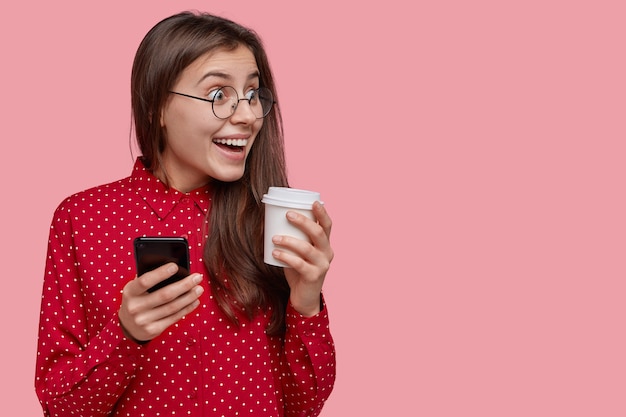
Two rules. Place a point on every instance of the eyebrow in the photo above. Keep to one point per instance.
(225, 76)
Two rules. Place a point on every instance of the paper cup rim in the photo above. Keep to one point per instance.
(291, 197)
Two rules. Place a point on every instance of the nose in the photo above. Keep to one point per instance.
(243, 113)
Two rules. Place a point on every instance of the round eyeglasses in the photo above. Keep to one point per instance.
(225, 101)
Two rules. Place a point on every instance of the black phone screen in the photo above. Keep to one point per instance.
(152, 252)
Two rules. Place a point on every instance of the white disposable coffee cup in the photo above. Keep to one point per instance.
(278, 201)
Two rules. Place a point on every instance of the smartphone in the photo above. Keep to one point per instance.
(152, 252)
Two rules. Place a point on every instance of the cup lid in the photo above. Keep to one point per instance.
(291, 197)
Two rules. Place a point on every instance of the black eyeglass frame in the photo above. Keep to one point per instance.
(238, 100)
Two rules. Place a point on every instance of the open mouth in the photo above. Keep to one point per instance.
(232, 145)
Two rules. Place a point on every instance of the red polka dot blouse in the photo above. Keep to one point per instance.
(201, 366)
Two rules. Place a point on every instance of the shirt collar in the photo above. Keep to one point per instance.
(163, 199)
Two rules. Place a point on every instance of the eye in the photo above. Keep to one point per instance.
(252, 96)
(218, 95)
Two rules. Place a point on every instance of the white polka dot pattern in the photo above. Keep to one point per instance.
(201, 366)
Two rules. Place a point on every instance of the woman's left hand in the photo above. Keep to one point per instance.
(309, 262)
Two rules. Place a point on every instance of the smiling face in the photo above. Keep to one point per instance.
(199, 146)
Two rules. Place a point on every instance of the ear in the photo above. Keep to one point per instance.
(162, 118)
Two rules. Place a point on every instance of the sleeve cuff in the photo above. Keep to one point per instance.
(308, 327)
(111, 343)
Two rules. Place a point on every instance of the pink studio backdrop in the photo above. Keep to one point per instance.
(471, 155)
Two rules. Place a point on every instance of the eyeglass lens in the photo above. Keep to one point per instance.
(226, 100)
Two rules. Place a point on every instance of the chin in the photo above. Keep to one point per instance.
(229, 177)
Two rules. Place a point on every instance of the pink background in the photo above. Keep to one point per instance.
(471, 154)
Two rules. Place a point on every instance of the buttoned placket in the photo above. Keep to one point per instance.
(190, 206)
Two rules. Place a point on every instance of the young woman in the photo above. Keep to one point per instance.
(236, 336)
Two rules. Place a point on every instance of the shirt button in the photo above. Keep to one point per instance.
(191, 342)
(185, 200)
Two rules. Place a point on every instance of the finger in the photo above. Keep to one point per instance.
(169, 320)
(174, 306)
(319, 210)
(293, 260)
(315, 231)
(300, 253)
(151, 278)
(154, 328)
(174, 290)
(299, 247)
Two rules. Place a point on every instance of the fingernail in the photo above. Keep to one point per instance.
(291, 215)
(197, 278)
(199, 290)
(172, 269)
(277, 239)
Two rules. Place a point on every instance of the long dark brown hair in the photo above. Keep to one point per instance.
(241, 282)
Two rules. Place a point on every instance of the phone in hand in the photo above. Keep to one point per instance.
(152, 252)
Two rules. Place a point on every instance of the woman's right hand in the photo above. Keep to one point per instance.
(145, 315)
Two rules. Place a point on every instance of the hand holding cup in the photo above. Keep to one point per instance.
(297, 231)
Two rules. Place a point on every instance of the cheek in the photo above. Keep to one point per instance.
(257, 126)
(184, 122)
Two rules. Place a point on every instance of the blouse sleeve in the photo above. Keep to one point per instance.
(309, 368)
(77, 373)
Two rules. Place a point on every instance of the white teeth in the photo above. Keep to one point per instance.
(232, 142)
